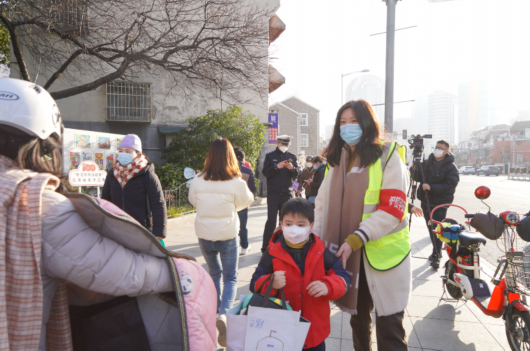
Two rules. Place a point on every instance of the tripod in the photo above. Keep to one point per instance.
(418, 167)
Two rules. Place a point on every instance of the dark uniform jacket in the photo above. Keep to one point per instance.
(133, 198)
(443, 178)
(280, 181)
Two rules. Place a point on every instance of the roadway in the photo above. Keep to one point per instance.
(506, 195)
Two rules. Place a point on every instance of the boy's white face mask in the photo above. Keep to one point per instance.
(295, 234)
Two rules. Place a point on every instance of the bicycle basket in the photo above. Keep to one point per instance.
(488, 225)
(520, 279)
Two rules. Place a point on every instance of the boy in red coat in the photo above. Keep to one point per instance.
(309, 273)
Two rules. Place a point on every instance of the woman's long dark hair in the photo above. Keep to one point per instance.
(368, 149)
(221, 163)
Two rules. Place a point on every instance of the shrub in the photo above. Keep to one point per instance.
(189, 147)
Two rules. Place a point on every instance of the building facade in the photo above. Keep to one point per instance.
(473, 108)
(149, 106)
(369, 87)
(302, 121)
(442, 114)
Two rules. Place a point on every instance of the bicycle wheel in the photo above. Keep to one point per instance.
(454, 291)
(519, 338)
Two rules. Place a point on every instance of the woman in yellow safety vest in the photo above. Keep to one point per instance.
(360, 214)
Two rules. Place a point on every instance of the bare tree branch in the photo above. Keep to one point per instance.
(15, 46)
(61, 70)
(201, 45)
(91, 86)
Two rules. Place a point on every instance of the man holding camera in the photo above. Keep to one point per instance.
(280, 168)
(438, 187)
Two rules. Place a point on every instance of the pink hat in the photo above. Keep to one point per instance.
(132, 141)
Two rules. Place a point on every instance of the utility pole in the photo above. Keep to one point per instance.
(389, 81)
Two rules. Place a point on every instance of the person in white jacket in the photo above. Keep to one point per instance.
(45, 241)
(218, 193)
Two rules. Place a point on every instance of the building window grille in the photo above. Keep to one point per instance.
(304, 140)
(71, 16)
(128, 101)
(304, 119)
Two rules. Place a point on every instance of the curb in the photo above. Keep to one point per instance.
(175, 223)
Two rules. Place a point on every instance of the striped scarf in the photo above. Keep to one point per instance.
(124, 173)
(21, 293)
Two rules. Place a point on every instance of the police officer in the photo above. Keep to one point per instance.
(281, 169)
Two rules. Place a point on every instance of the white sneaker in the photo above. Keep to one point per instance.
(221, 327)
(245, 251)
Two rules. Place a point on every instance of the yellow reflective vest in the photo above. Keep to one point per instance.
(389, 251)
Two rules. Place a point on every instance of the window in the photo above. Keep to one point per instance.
(304, 119)
(304, 140)
(128, 101)
(520, 158)
(70, 17)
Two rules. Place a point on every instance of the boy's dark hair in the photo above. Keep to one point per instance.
(298, 206)
(240, 154)
(317, 159)
(443, 142)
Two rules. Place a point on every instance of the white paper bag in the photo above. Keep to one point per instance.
(237, 329)
(272, 329)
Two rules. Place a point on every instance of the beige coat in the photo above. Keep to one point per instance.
(390, 290)
(217, 204)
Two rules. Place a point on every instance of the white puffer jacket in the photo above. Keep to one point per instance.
(72, 251)
(217, 203)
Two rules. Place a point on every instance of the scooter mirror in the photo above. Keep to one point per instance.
(482, 192)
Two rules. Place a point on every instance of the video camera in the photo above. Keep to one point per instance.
(416, 144)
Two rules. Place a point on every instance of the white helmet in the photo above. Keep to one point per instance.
(28, 107)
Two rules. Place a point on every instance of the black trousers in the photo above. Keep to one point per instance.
(321, 347)
(390, 331)
(274, 206)
(438, 215)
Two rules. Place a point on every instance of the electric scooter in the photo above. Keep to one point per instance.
(505, 295)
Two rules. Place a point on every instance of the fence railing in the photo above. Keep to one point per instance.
(177, 202)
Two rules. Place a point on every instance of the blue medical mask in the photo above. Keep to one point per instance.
(351, 133)
(124, 158)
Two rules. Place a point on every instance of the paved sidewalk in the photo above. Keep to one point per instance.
(430, 324)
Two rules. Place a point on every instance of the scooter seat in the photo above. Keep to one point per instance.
(468, 238)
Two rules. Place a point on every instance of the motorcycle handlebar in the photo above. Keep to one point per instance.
(469, 215)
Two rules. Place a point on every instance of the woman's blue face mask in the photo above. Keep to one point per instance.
(351, 133)
(124, 158)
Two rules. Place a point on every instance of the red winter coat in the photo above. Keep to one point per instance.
(316, 310)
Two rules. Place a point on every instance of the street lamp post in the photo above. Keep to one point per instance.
(389, 82)
(342, 83)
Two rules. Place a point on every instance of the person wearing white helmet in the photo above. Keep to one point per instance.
(44, 240)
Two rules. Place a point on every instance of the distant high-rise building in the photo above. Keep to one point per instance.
(474, 108)
(369, 87)
(442, 115)
(329, 132)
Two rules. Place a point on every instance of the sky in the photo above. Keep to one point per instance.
(454, 42)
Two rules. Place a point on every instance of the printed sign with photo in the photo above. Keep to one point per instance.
(99, 160)
(118, 141)
(103, 143)
(87, 156)
(110, 162)
(75, 159)
(82, 140)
